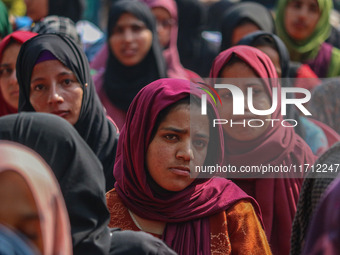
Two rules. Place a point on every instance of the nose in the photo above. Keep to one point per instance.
(54, 96)
(13, 78)
(128, 35)
(303, 12)
(184, 151)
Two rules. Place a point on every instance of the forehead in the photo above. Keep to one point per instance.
(127, 18)
(187, 117)
(308, 2)
(237, 69)
(10, 49)
(49, 67)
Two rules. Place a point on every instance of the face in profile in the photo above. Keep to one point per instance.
(178, 147)
(36, 9)
(261, 101)
(130, 40)
(55, 89)
(18, 208)
(8, 81)
(301, 18)
(164, 24)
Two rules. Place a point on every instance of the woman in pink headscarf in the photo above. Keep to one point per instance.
(157, 190)
(31, 201)
(166, 15)
(9, 88)
(269, 144)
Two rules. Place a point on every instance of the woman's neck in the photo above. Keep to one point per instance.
(151, 226)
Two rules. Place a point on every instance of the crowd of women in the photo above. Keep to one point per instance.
(98, 154)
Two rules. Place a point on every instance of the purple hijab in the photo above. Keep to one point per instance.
(323, 236)
(186, 212)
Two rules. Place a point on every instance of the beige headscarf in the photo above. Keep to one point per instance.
(54, 222)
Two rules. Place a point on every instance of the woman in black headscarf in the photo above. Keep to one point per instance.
(92, 124)
(254, 15)
(124, 75)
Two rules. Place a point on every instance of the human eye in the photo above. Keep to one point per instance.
(314, 8)
(5, 72)
(117, 30)
(226, 94)
(137, 28)
(38, 87)
(200, 143)
(171, 137)
(67, 82)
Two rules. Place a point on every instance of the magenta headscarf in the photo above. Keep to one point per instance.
(174, 66)
(20, 37)
(278, 145)
(186, 212)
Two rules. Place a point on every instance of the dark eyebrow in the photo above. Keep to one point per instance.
(30, 216)
(202, 136)
(4, 65)
(173, 129)
(182, 131)
(66, 73)
(37, 79)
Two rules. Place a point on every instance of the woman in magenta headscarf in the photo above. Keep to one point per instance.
(156, 188)
(9, 88)
(273, 145)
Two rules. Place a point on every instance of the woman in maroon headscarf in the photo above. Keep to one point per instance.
(9, 88)
(156, 188)
(273, 145)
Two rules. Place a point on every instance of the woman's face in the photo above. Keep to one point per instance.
(261, 101)
(55, 89)
(274, 57)
(8, 81)
(242, 30)
(301, 18)
(18, 208)
(36, 9)
(164, 24)
(130, 40)
(178, 147)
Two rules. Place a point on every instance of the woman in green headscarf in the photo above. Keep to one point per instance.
(5, 26)
(304, 26)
